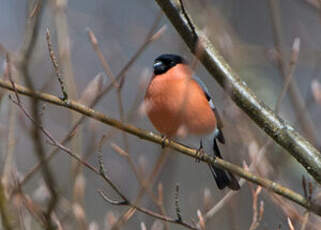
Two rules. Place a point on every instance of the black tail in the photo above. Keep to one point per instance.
(223, 178)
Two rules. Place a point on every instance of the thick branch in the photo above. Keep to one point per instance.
(278, 129)
(147, 135)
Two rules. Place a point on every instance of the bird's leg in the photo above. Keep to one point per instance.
(200, 152)
(163, 142)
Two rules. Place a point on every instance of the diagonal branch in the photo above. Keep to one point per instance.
(148, 212)
(264, 117)
(147, 135)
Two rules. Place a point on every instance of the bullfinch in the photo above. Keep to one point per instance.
(179, 104)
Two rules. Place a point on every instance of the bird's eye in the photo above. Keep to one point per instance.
(158, 64)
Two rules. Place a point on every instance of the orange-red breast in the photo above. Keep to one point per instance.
(178, 104)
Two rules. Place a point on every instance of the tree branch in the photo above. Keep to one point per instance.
(147, 135)
(265, 118)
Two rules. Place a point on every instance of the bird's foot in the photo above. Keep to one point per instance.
(163, 142)
(199, 154)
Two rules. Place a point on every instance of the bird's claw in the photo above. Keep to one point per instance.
(199, 154)
(163, 142)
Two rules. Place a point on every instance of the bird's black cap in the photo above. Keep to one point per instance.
(166, 61)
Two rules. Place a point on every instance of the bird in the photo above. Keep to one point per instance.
(178, 104)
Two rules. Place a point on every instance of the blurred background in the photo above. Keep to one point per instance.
(256, 38)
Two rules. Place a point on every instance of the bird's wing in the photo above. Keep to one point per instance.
(205, 90)
(219, 134)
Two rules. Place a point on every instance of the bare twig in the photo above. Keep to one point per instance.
(63, 42)
(148, 212)
(161, 202)
(34, 210)
(201, 220)
(290, 224)
(103, 61)
(5, 215)
(147, 184)
(304, 186)
(289, 76)
(151, 36)
(8, 161)
(56, 66)
(137, 173)
(308, 191)
(178, 210)
(80, 215)
(305, 220)
(10, 77)
(316, 91)
(143, 226)
(57, 222)
(295, 95)
(35, 10)
(257, 214)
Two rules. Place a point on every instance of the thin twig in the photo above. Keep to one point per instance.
(10, 77)
(4, 212)
(8, 161)
(316, 91)
(103, 61)
(63, 42)
(305, 220)
(34, 209)
(201, 220)
(35, 10)
(289, 76)
(56, 66)
(161, 203)
(137, 173)
(257, 214)
(296, 97)
(177, 208)
(147, 184)
(290, 224)
(148, 212)
(152, 35)
(308, 191)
